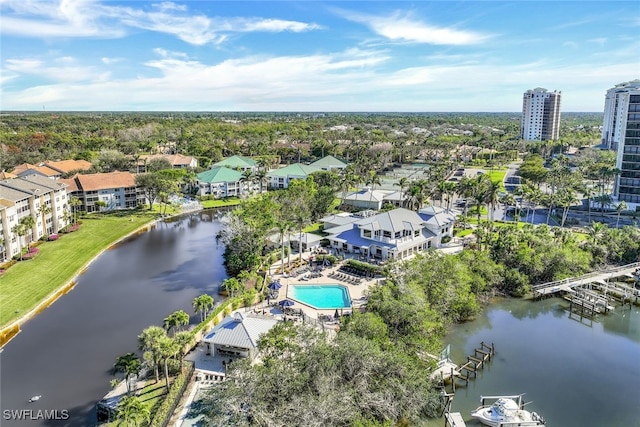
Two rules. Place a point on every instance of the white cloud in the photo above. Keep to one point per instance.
(351, 80)
(403, 27)
(274, 25)
(167, 5)
(89, 18)
(108, 61)
(600, 41)
(67, 70)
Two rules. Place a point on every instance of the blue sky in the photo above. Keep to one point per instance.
(419, 56)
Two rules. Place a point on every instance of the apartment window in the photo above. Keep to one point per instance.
(386, 234)
(366, 233)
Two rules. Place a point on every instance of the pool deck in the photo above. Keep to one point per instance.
(356, 292)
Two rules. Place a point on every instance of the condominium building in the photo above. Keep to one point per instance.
(42, 199)
(621, 132)
(540, 115)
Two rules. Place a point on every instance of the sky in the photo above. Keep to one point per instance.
(358, 56)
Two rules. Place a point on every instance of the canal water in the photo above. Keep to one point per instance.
(575, 372)
(66, 353)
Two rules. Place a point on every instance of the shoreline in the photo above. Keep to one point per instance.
(8, 331)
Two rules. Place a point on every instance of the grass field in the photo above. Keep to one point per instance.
(151, 395)
(497, 176)
(219, 203)
(27, 283)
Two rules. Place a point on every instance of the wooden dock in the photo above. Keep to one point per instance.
(454, 419)
(464, 372)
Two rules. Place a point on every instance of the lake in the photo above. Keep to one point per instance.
(66, 353)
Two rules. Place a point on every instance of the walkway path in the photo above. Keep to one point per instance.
(565, 285)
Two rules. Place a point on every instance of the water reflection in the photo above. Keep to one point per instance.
(66, 354)
(579, 372)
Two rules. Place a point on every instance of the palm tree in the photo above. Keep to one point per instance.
(74, 203)
(507, 200)
(202, 305)
(149, 343)
(596, 231)
(588, 193)
(261, 176)
(44, 210)
(168, 348)
(130, 365)
(372, 180)
(415, 195)
(567, 198)
(29, 222)
(605, 201)
(247, 176)
(402, 183)
(175, 320)
(535, 198)
(449, 190)
(132, 411)
(464, 190)
(620, 207)
(491, 196)
(19, 230)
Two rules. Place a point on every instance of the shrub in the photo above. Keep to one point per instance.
(74, 228)
(53, 237)
(446, 239)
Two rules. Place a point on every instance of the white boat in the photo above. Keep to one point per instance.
(35, 398)
(505, 411)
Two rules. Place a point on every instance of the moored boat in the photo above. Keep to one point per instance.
(499, 411)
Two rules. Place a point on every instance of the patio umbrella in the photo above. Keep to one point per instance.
(286, 303)
(335, 315)
(274, 286)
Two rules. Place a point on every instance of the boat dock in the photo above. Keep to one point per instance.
(448, 371)
(454, 419)
(481, 356)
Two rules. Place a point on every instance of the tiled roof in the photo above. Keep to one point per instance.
(69, 165)
(104, 181)
(7, 175)
(174, 159)
(42, 168)
(219, 174)
(294, 170)
(237, 162)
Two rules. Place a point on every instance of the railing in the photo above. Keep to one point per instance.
(608, 271)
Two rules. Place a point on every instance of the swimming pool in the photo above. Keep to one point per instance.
(321, 296)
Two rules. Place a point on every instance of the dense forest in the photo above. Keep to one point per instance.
(36, 137)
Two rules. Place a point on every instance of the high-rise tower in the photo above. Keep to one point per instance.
(540, 115)
(621, 132)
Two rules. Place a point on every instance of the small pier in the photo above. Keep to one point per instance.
(448, 371)
(481, 356)
(588, 302)
(454, 419)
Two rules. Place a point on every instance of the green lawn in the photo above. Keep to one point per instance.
(219, 203)
(151, 395)
(27, 283)
(497, 176)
